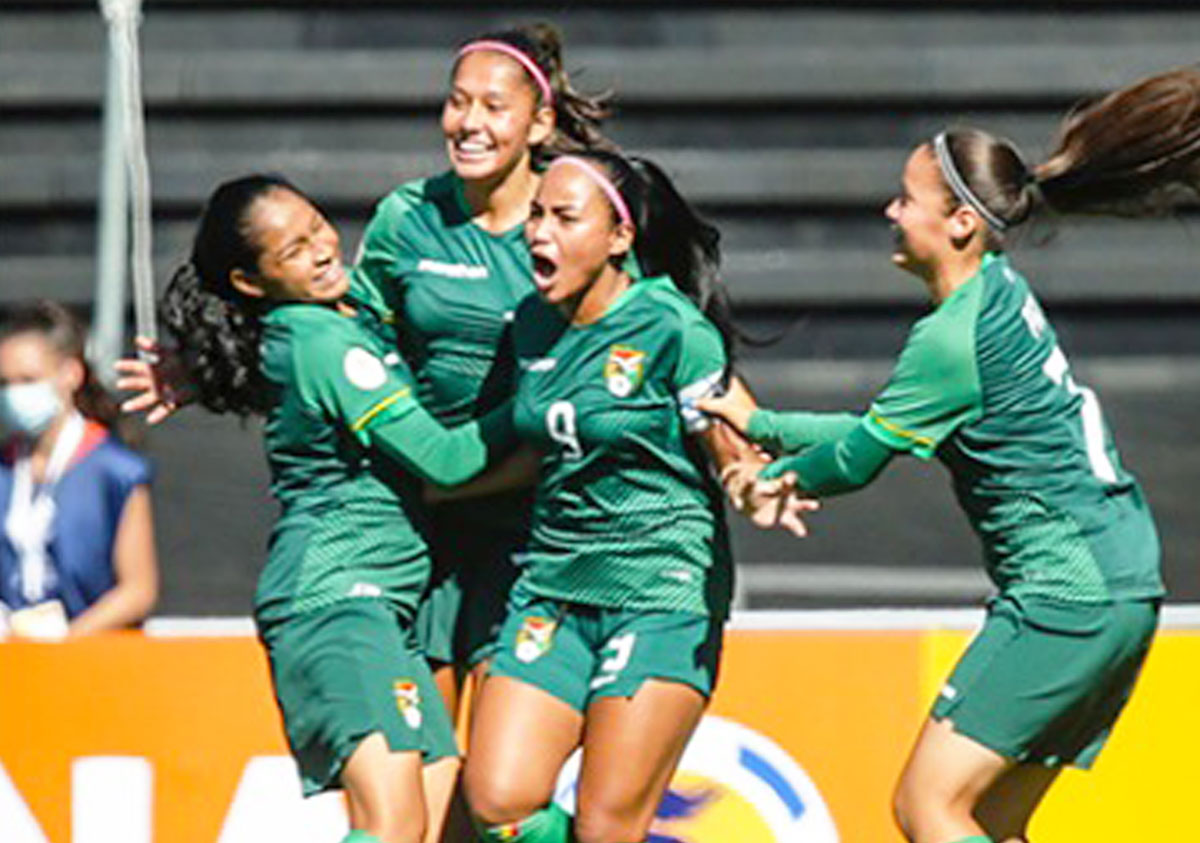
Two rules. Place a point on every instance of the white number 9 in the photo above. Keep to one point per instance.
(560, 424)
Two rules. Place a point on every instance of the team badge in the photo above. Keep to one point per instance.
(408, 701)
(624, 370)
(364, 369)
(534, 638)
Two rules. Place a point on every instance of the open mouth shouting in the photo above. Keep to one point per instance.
(544, 269)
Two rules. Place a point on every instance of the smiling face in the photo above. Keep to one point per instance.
(491, 117)
(572, 234)
(922, 216)
(299, 254)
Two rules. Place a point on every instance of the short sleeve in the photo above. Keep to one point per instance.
(700, 370)
(342, 372)
(933, 390)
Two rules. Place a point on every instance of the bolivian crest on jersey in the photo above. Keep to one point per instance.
(408, 701)
(534, 638)
(624, 369)
(626, 514)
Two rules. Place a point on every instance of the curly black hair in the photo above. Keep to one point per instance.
(216, 328)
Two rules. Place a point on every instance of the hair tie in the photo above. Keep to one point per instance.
(958, 185)
(602, 181)
(521, 57)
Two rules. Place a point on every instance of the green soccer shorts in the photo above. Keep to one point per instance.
(581, 653)
(348, 670)
(1044, 681)
(461, 614)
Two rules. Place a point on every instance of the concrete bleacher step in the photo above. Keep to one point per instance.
(681, 76)
(283, 24)
(801, 177)
(1128, 269)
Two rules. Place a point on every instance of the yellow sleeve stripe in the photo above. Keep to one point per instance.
(899, 431)
(365, 418)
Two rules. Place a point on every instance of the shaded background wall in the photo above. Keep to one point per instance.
(787, 122)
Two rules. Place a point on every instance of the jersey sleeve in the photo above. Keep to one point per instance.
(441, 455)
(786, 433)
(838, 466)
(933, 390)
(700, 370)
(342, 374)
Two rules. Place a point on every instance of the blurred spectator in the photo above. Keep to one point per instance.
(76, 527)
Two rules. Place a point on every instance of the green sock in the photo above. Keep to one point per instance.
(550, 825)
(358, 836)
(978, 838)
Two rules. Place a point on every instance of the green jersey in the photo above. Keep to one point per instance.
(626, 514)
(983, 384)
(346, 527)
(453, 288)
(346, 441)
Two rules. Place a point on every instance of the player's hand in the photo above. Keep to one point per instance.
(737, 479)
(733, 409)
(157, 377)
(779, 503)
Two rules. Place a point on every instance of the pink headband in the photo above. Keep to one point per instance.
(531, 67)
(602, 182)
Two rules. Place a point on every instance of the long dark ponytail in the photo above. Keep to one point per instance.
(1132, 152)
(578, 116)
(216, 328)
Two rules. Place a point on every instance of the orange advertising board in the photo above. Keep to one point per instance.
(177, 739)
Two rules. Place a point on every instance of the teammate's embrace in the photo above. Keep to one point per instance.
(614, 632)
(983, 385)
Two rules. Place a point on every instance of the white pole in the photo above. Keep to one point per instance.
(125, 180)
(139, 178)
(108, 318)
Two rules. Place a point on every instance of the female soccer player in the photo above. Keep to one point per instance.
(614, 630)
(983, 385)
(447, 255)
(266, 325)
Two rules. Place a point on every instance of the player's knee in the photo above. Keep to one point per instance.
(919, 808)
(599, 825)
(494, 802)
(904, 808)
(915, 808)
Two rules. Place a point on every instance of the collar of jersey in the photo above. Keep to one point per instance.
(990, 260)
(636, 290)
(460, 199)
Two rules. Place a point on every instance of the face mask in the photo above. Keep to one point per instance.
(29, 408)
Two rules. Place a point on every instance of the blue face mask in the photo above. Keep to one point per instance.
(29, 408)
